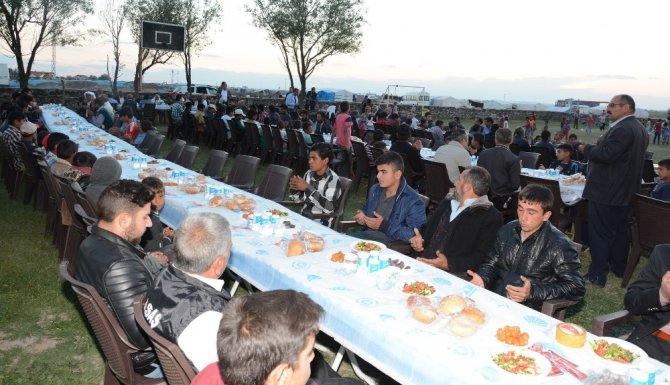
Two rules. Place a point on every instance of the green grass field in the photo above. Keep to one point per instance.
(43, 338)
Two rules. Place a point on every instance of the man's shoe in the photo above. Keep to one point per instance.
(595, 280)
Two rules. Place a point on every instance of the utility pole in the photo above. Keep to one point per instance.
(53, 61)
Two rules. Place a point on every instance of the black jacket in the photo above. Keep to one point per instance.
(547, 258)
(615, 164)
(504, 168)
(177, 299)
(118, 271)
(468, 238)
(642, 297)
(413, 155)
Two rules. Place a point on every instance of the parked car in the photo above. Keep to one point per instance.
(197, 90)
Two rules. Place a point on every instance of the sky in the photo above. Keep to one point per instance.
(518, 50)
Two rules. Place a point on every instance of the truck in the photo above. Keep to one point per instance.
(4, 75)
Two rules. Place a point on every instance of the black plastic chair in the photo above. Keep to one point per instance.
(175, 152)
(274, 183)
(279, 153)
(363, 164)
(243, 173)
(146, 142)
(437, 180)
(529, 159)
(187, 156)
(546, 155)
(648, 173)
(562, 221)
(156, 145)
(266, 147)
(215, 163)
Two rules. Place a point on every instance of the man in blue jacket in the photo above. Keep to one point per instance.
(393, 208)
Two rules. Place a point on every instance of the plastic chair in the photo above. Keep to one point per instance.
(243, 173)
(266, 148)
(529, 159)
(648, 173)
(215, 163)
(175, 152)
(146, 142)
(113, 341)
(187, 156)
(76, 232)
(176, 368)
(651, 219)
(29, 177)
(149, 112)
(363, 164)
(274, 183)
(546, 155)
(156, 144)
(279, 154)
(437, 180)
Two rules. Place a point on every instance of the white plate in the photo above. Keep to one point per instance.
(353, 245)
(616, 367)
(542, 363)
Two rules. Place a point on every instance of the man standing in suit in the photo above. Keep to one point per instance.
(504, 168)
(615, 172)
(649, 296)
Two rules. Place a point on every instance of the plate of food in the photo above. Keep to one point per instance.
(278, 213)
(617, 353)
(367, 246)
(522, 363)
(418, 288)
(512, 335)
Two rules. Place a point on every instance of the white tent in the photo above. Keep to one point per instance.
(496, 105)
(343, 96)
(600, 110)
(448, 101)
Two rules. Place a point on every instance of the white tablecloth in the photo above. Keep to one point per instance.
(571, 194)
(373, 323)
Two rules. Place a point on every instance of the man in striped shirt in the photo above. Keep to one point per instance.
(321, 189)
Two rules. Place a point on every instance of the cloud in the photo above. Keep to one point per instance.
(619, 77)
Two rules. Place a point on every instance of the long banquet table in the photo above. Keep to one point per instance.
(372, 323)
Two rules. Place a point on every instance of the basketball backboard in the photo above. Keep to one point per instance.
(162, 36)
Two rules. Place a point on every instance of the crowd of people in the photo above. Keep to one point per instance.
(129, 252)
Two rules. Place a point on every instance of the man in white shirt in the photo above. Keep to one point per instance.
(224, 94)
(185, 303)
(454, 155)
(292, 99)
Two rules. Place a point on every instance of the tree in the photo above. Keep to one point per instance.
(307, 32)
(196, 27)
(163, 11)
(113, 21)
(29, 25)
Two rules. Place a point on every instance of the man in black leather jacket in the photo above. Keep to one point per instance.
(532, 261)
(111, 261)
(649, 296)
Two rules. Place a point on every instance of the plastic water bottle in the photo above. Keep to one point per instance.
(473, 160)
(373, 262)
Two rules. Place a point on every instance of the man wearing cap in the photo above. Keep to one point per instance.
(28, 130)
(237, 127)
(12, 138)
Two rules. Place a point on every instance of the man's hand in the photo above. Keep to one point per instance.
(298, 184)
(416, 241)
(440, 262)
(519, 294)
(168, 232)
(665, 285)
(360, 217)
(476, 279)
(160, 257)
(374, 223)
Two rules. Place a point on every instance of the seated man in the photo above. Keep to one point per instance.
(531, 260)
(454, 155)
(462, 228)
(109, 258)
(662, 189)
(545, 143)
(410, 150)
(275, 349)
(184, 305)
(321, 188)
(503, 166)
(564, 163)
(393, 209)
(649, 296)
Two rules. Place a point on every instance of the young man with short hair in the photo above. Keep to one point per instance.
(531, 260)
(321, 188)
(393, 209)
(662, 189)
(564, 163)
(110, 259)
(12, 137)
